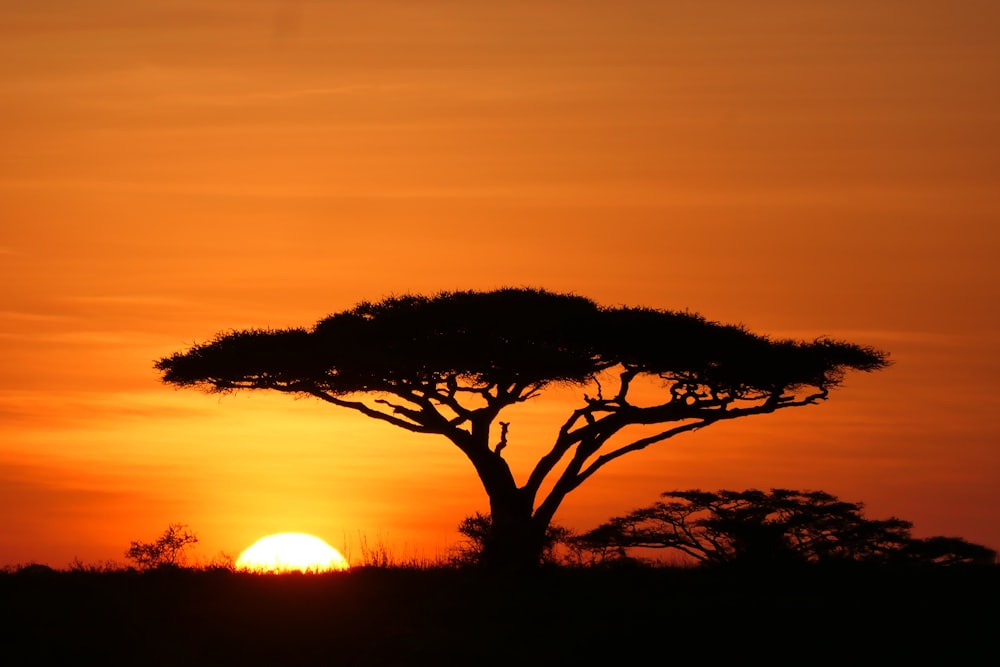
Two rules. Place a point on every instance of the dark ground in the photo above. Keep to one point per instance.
(454, 617)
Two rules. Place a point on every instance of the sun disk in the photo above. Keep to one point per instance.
(288, 552)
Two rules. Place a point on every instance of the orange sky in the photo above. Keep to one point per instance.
(170, 169)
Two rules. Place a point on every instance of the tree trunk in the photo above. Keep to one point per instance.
(515, 541)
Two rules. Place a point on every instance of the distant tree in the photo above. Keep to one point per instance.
(942, 550)
(451, 363)
(771, 528)
(166, 551)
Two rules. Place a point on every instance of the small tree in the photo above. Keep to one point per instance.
(450, 364)
(166, 551)
(772, 527)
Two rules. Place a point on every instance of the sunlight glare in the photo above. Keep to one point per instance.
(288, 552)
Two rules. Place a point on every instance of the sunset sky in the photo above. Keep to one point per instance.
(170, 169)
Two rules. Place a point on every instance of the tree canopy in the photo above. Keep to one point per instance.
(520, 337)
(775, 527)
(450, 363)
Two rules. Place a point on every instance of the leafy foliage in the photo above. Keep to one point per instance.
(772, 527)
(520, 337)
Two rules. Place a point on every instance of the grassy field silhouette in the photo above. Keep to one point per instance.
(455, 616)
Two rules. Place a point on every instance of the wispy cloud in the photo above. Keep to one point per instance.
(26, 316)
(129, 300)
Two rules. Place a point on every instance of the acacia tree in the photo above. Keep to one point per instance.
(752, 527)
(773, 527)
(449, 364)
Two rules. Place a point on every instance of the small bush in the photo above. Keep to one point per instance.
(167, 551)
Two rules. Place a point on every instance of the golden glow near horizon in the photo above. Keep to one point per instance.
(290, 552)
(173, 169)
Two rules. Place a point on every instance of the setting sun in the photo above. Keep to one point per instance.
(287, 552)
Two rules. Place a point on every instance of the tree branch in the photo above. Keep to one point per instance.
(635, 446)
(565, 440)
(364, 409)
(715, 414)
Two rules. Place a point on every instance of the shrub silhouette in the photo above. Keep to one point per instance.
(476, 533)
(166, 551)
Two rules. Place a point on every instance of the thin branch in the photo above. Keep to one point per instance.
(635, 446)
(625, 382)
(565, 440)
(448, 400)
(427, 398)
(615, 414)
(364, 409)
(400, 409)
(715, 415)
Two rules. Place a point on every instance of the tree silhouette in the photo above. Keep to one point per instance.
(166, 551)
(941, 550)
(449, 364)
(776, 527)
